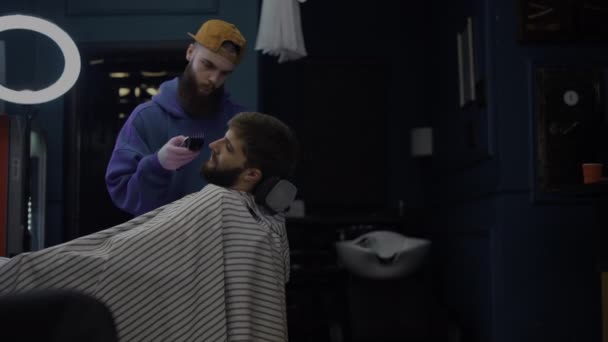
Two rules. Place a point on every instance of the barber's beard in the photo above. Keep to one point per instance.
(224, 178)
(197, 105)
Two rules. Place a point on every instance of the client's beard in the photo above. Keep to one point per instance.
(224, 178)
(197, 105)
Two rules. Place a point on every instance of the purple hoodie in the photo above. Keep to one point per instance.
(136, 181)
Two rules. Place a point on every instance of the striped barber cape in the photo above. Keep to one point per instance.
(209, 267)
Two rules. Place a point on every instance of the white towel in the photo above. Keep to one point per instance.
(209, 267)
(280, 31)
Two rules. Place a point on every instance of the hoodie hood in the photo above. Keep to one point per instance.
(167, 99)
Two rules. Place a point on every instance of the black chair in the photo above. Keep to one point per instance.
(55, 315)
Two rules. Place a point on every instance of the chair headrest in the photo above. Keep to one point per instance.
(276, 194)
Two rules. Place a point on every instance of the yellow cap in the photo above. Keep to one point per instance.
(213, 33)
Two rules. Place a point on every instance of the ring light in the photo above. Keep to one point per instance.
(71, 57)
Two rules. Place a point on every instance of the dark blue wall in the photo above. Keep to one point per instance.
(514, 268)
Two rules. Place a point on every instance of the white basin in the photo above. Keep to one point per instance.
(382, 254)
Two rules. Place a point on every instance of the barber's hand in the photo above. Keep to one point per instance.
(172, 156)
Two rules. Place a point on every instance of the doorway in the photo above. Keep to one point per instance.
(115, 78)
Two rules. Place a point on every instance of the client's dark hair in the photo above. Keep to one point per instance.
(269, 144)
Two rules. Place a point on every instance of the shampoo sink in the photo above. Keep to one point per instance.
(382, 254)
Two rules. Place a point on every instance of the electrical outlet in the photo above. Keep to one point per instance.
(421, 141)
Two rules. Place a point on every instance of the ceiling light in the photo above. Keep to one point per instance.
(119, 74)
(123, 91)
(152, 91)
(154, 73)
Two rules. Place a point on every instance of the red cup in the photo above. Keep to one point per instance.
(592, 173)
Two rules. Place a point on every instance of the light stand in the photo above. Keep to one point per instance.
(17, 238)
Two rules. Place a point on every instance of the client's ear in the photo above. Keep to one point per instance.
(252, 176)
